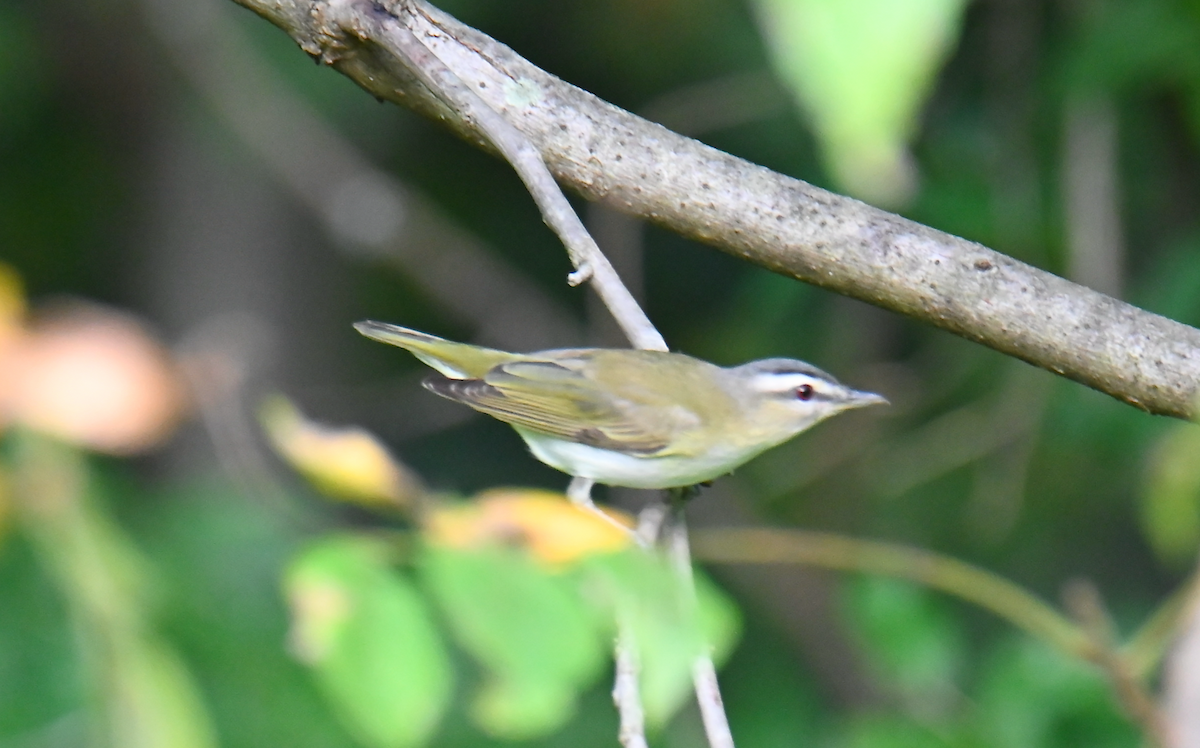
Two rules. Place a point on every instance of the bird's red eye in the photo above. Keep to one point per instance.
(805, 392)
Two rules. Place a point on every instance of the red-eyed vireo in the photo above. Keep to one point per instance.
(641, 419)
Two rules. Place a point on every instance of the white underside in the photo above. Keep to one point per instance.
(617, 469)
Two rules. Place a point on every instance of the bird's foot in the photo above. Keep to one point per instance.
(677, 497)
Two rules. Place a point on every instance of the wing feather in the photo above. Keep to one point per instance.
(558, 399)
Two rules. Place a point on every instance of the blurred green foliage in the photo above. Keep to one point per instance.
(370, 641)
(1018, 692)
(1038, 479)
(538, 642)
(862, 69)
(1171, 498)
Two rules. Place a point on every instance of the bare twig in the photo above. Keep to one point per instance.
(626, 693)
(579, 491)
(1084, 602)
(1093, 639)
(370, 22)
(704, 671)
(626, 688)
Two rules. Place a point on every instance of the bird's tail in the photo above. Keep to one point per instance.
(454, 360)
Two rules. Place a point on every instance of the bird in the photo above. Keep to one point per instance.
(630, 418)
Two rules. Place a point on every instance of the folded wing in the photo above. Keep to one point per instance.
(559, 399)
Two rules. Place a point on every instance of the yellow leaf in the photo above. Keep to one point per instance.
(346, 463)
(545, 523)
(12, 298)
(12, 316)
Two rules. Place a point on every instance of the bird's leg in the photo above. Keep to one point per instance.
(580, 492)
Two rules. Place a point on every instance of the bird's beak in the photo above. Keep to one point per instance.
(859, 399)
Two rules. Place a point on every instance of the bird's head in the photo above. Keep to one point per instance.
(788, 396)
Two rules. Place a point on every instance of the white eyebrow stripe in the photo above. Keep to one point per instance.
(785, 382)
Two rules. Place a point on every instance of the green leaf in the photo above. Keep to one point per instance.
(528, 626)
(1170, 499)
(365, 632)
(668, 627)
(153, 700)
(861, 69)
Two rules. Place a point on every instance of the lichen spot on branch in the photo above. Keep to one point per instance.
(522, 92)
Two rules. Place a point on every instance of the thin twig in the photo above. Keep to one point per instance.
(1093, 639)
(704, 671)
(590, 263)
(626, 685)
(831, 551)
(1084, 602)
(626, 692)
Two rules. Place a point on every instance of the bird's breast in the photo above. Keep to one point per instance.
(619, 469)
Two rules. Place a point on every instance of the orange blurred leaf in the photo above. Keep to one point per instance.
(546, 523)
(6, 504)
(93, 377)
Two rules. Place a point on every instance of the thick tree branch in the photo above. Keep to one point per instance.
(781, 223)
